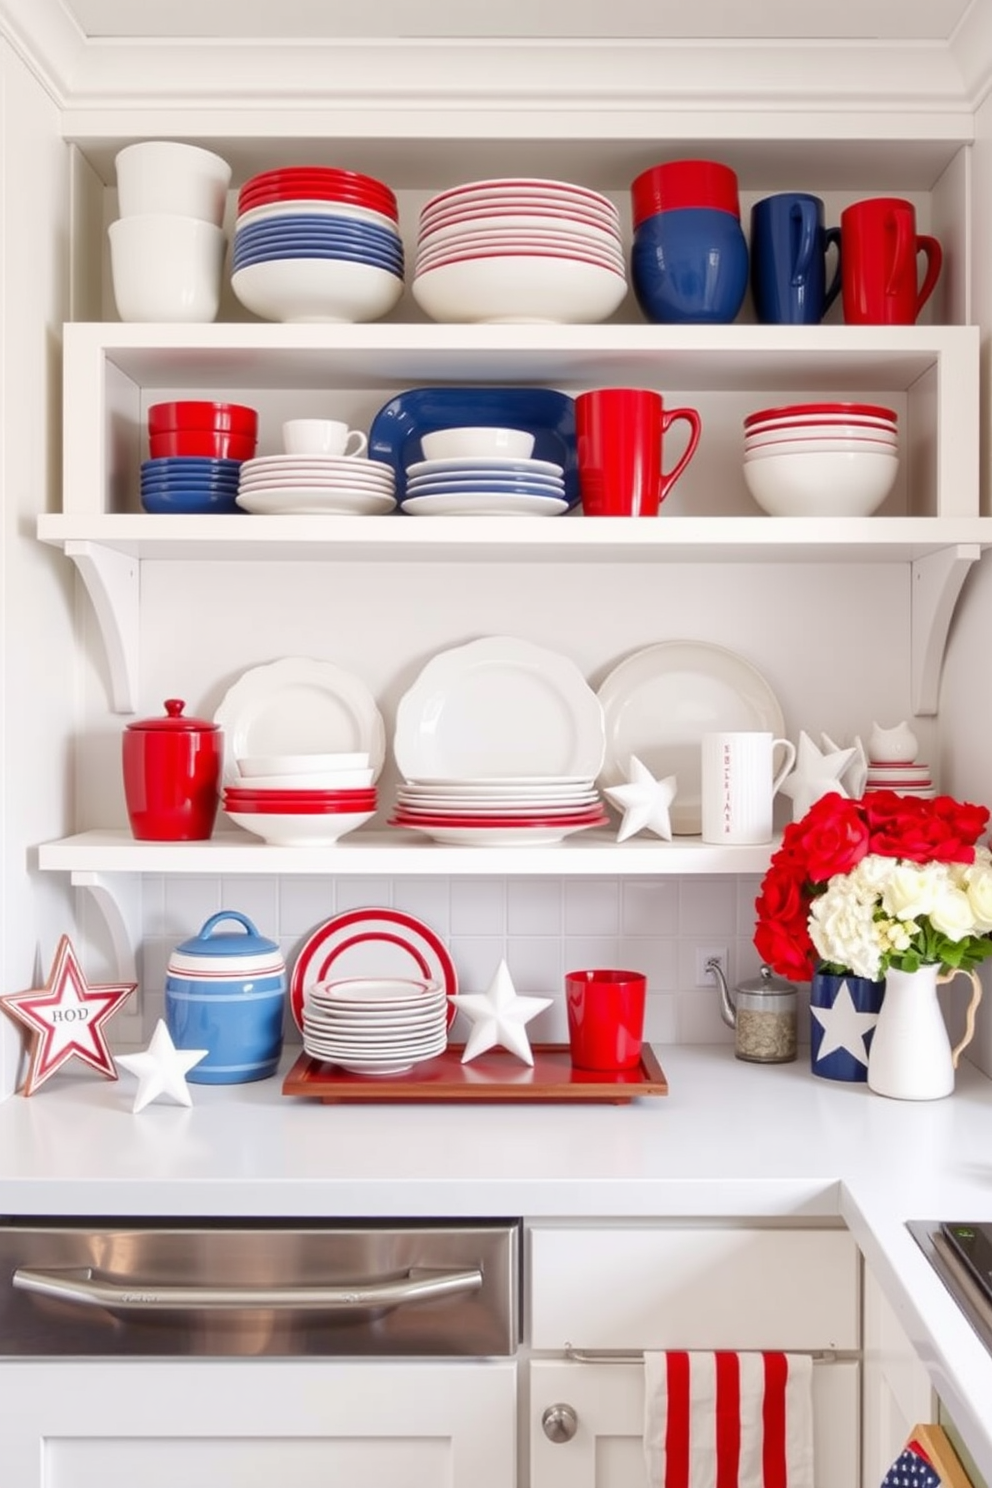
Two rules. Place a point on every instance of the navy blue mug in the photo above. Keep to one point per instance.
(689, 266)
(789, 244)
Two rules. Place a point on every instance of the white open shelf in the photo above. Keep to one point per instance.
(395, 853)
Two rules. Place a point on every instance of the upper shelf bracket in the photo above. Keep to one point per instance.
(117, 897)
(937, 580)
(112, 580)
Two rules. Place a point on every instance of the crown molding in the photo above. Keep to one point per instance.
(971, 46)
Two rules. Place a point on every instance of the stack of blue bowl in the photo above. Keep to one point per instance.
(301, 234)
(189, 483)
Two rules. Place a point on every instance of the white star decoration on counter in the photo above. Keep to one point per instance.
(816, 774)
(844, 1027)
(498, 1016)
(161, 1069)
(855, 777)
(644, 802)
(66, 1017)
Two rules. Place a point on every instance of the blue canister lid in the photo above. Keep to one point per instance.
(246, 942)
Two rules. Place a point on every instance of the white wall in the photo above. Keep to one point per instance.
(37, 701)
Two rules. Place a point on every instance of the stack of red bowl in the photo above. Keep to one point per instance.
(219, 431)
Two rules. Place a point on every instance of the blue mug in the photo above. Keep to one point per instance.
(689, 266)
(789, 246)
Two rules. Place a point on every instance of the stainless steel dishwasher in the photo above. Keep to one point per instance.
(234, 1353)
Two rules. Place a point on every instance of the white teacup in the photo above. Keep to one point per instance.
(313, 436)
(454, 444)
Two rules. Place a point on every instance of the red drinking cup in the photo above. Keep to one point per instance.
(620, 436)
(605, 1018)
(880, 271)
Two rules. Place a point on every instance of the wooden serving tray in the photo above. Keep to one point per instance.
(495, 1076)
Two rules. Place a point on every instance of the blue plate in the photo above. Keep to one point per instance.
(265, 255)
(396, 430)
(189, 502)
(191, 484)
(318, 227)
(517, 488)
(190, 465)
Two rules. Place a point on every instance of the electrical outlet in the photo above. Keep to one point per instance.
(706, 978)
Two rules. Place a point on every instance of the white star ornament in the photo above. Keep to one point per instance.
(162, 1069)
(644, 801)
(844, 1027)
(498, 1016)
(816, 774)
(855, 777)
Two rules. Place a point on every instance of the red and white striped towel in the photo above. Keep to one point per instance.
(728, 1420)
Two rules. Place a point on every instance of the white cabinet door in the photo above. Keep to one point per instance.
(608, 1401)
(897, 1389)
(258, 1424)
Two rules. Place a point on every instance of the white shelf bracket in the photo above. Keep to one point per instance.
(117, 897)
(112, 581)
(937, 581)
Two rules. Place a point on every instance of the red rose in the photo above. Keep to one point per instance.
(832, 837)
(787, 949)
(938, 831)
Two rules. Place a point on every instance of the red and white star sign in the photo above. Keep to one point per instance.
(66, 1018)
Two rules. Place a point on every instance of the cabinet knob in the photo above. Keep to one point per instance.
(560, 1423)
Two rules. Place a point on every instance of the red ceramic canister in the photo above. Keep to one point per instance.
(172, 769)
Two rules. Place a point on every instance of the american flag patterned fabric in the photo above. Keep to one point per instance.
(912, 1469)
(728, 1420)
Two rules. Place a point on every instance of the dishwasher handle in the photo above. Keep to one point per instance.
(81, 1286)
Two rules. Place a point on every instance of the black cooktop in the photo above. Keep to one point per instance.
(961, 1254)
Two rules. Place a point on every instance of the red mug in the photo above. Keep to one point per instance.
(880, 275)
(619, 440)
(605, 1018)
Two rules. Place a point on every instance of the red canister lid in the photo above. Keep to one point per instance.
(175, 722)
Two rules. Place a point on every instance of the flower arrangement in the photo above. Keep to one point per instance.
(890, 880)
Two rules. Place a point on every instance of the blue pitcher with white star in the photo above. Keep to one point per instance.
(843, 1011)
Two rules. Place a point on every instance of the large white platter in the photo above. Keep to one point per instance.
(660, 702)
(499, 707)
(299, 706)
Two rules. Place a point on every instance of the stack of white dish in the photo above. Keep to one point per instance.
(519, 250)
(499, 742)
(529, 809)
(302, 484)
(302, 799)
(906, 778)
(821, 459)
(375, 1026)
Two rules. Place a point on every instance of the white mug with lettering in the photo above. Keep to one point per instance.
(738, 785)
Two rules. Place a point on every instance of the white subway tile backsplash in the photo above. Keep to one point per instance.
(542, 927)
(592, 906)
(708, 907)
(649, 908)
(534, 907)
(478, 906)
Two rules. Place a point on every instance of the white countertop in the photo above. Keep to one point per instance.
(729, 1140)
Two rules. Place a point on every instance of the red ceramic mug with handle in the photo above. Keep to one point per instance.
(605, 1018)
(620, 434)
(880, 281)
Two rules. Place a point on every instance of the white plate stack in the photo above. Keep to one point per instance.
(302, 484)
(522, 249)
(489, 486)
(375, 1026)
(473, 812)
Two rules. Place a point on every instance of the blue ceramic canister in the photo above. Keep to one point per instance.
(225, 991)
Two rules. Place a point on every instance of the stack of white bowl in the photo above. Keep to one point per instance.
(375, 1026)
(302, 800)
(314, 243)
(520, 250)
(167, 245)
(821, 459)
